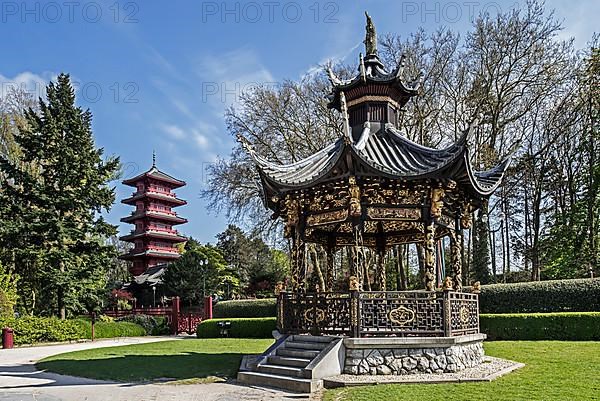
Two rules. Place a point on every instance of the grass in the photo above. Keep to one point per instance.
(554, 371)
(183, 361)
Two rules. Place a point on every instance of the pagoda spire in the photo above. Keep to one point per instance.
(153, 158)
(370, 37)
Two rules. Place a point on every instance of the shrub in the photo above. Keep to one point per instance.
(568, 326)
(246, 308)
(580, 295)
(110, 329)
(31, 330)
(261, 327)
(8, 293)
(153, 325)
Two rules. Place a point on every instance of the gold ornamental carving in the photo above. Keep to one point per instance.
(390, 213)
(314, 315)
(335, 216)
(463, 314)
(354, 312)
(402, 316)
(292, 216)
(448, 284)
(354, 203)
(279, 287)
(437, 203)
(353, 283)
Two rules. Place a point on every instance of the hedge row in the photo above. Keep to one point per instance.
(246, 308)
(576, 326)
(580, 295)
(153, 325)
(33, 330)
(110, 329)
(261, 327)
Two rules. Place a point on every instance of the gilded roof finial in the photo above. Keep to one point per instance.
(370, 37)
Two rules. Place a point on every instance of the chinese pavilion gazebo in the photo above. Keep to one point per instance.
(374, 188)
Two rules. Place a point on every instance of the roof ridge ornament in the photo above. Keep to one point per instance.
(344, 109)
(335, 81)
(153, 158)
(246, 144)
(400, 67)
(370, 37)
(361, 68)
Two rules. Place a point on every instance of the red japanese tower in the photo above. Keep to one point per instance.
(154, 238)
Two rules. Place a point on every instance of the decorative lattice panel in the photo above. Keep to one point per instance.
(407, 313)
(320, 313)
(464, 313)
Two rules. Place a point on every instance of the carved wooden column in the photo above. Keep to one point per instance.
(330, 262)
(355, 211)
(429, 247)
(435, 211)
(381, 274)
(456, 245)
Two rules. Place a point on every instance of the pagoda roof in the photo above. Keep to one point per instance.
(155, 174)
(150, 253)
(386, 153)
(173, 237)
(155, 215)
(154, 195)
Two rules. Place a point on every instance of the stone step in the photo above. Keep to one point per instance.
(297, 353)
(305, 345)
(287, 361)
(294, 384)
(279, 370)
(311, 339)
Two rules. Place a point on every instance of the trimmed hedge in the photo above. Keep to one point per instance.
(567, 326)
(110, 329)
(246, 308)
(31, 330)
(579, 295)
(261, 327)
(153, 325)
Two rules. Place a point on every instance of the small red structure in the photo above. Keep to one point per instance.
(153, 237)
(8, 338)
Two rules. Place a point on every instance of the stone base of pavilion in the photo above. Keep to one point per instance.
(490, 369)
(412, 355)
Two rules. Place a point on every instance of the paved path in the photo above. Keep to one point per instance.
(21, 381)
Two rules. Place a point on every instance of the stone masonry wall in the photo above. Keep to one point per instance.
(404, 361)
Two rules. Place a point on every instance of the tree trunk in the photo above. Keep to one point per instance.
(400, 251)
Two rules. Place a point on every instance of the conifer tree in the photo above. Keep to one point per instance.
(51, 212)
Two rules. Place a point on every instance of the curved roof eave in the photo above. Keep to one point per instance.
(309, 167)
(493, 175)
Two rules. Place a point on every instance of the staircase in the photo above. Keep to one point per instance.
(298, 363)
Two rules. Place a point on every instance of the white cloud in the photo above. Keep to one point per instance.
(174, 131)
(28, 81)
(201, 140)
(226, 76)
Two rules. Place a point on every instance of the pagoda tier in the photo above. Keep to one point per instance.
(153, 237)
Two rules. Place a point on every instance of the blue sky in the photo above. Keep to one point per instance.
(159, 75)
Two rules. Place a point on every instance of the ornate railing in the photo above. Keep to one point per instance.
(379, 313)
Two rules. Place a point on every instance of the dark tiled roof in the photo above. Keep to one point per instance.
(387, 153)
(156, 174)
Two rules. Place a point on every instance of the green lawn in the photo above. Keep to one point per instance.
(190, 360)
(554, 371)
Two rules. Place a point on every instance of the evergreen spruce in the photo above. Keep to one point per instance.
(53, 198)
